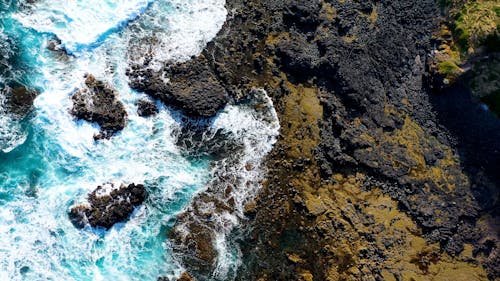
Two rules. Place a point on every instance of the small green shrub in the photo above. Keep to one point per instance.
(449, 70)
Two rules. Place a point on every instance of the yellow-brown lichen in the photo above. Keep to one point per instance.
(444, 172)
(411, 255)
(328, 12)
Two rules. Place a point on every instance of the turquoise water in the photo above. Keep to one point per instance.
(49, 161)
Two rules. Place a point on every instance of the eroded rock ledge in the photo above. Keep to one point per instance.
(108, 205)
(97, 102)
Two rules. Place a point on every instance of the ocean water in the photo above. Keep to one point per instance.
(49, 161)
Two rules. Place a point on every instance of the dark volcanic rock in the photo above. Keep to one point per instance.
(20, 100)
(146, 108)
(200, 140)
(192, 87)
(98, 103)
(108, 205)
(359, 130)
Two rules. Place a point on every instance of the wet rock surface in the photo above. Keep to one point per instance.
(371, 178)
(192, 87)
(20, 100)
(97, 102)
(108, 205)
(184, 277)
(146, 108)
(197, 140)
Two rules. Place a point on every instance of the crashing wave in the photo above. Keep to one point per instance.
(174, 30)
(252, 127)
(81, 25)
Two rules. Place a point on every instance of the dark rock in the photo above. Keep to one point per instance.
(108, 205)
(199, 141)
(98, 103)
(20, 100)
(299, 57)
(366, 62)
(146, 108)
(303, 15)
(193, 87)
(54, 45)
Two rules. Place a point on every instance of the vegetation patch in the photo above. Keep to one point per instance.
(449, 70)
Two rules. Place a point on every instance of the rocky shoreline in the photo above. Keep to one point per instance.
(372, 178)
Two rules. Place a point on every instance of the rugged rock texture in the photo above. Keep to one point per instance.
(108, 205)
(146, 108)
(20, 100)
(371, 178)
(98, 103)
(466, 49)
(198, 140)
(184, 277)
(192, 87)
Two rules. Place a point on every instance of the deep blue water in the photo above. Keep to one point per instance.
(49, 161)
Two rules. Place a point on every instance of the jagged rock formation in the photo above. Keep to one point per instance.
(193, 88)
(146, 108)
(20, 100)
(108, 205)
(97, 102)
(369, 180)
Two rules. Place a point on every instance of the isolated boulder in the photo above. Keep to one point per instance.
(108, 205)
(97, 102)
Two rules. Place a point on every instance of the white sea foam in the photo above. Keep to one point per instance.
(83, 23)
(175, 31)
(253, 124)
(37, 240)
(257, 125)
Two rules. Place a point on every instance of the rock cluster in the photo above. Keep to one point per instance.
(108, 205)
(97, 102)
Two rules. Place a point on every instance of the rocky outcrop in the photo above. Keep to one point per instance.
(146, 108)
(192, 87)
(20, 100)
(198, 141)
(97, 102)
(366, 181)
(108, 205)
(184, 277)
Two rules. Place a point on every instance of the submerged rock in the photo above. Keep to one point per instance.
(192, 87)
(97, 102)
(198, 141)
(108, 205)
